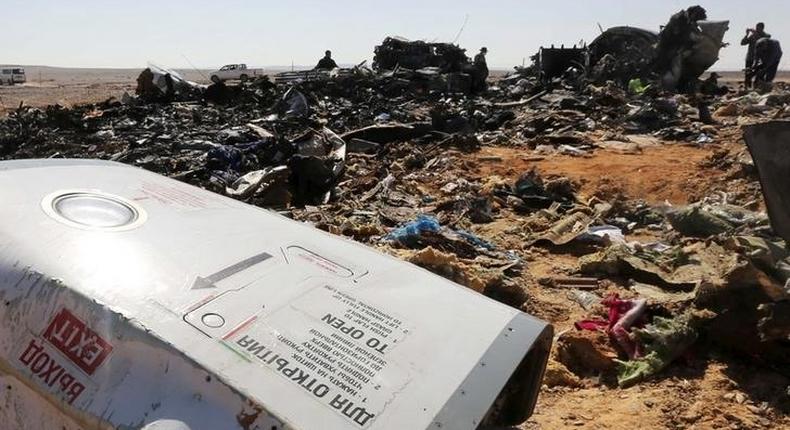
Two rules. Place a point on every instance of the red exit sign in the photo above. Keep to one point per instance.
(77, 342)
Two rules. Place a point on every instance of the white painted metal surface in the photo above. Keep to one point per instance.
(129, 300)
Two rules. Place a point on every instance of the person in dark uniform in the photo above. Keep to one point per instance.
(711, 87)
(170, 93)
(767, 56)
(751, 38)
(326, 63)
(678, 35)
(481, 70)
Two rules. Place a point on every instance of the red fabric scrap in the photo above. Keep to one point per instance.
(622, 315)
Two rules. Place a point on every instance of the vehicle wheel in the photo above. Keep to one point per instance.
(243, 78)
(215, 79)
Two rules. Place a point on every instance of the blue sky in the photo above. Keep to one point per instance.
(114, 33)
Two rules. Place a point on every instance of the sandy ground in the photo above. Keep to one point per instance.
(71, 86)
(46, 85)
(67, 87)
(707, 392)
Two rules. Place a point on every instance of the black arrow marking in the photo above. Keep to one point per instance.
(210, 280)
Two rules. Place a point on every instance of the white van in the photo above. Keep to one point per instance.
(12, 75)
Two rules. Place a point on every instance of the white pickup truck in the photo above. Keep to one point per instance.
(235, 72)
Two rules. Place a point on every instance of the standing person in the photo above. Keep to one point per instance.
(326, 63)
(481, 70)
(767, 56)
(677, 35)
(751, 38)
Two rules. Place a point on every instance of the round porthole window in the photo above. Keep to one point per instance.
(93, 210)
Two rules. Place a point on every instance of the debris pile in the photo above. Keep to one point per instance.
(158, 84)
(639, 288)
(623, 53)
(397, 52)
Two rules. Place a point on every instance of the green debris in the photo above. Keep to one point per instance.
(704, 220)
(672, 268)
(664, 340)
(698, 222)
(636, 86)
(770, 256)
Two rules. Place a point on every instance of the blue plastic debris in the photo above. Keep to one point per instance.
(410, 233)
(225, 157)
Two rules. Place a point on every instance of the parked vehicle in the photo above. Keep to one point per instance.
(12, 75)
(134, 301)
(235, 72)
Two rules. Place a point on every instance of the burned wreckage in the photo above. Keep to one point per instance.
(625, 53)
(440, 66)
(164, 299)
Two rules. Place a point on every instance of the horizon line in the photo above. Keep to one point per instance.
(295, 66)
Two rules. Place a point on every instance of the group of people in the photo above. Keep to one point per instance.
(762, 56)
